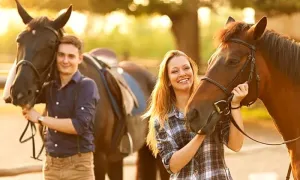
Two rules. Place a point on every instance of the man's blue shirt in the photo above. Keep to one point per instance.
(76, 100)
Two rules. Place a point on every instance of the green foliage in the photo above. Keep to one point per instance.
(8, 43)
(256, 113)
(142, 41)
(208, 33)
(270, 7)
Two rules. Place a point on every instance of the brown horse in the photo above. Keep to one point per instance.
(270, 63)
(36, 56)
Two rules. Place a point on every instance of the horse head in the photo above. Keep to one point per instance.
(36, 54)
(231, 64)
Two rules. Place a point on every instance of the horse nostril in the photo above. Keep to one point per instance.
(29, 92)
(192, 114)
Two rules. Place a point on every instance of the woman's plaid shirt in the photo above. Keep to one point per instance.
(208, 162)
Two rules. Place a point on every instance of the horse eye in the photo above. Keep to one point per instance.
(51, 44)
(232, 62)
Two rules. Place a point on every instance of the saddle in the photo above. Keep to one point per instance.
(108, 59)
(130, 127)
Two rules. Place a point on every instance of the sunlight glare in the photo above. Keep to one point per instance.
(163, 22)
(97, 25)
(116, 19)
(141, 2)
(172, 1)
(8, 17)
(249, 15)
(77, 22)
(204, 15)
(4, 22)
(132, 7)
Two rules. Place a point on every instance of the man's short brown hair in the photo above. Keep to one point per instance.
(75, 41)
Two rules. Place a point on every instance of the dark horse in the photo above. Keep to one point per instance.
(270, 63)
(36, 56)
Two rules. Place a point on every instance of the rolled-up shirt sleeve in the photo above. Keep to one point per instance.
(85, 107)
(165, 144)
(224, 124)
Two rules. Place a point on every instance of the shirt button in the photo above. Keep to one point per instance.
(82, 108)
(55, 132)
(55, 117)
(57, 103)
(55, 145)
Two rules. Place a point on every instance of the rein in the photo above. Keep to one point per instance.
(223, 107)
(41, 85)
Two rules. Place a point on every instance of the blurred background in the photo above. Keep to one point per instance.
(144, 30)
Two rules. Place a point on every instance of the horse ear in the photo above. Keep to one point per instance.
(230, 20)
(26, 18)
(61, 20)
(257, 30)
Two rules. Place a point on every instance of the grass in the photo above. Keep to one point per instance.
(255, 113)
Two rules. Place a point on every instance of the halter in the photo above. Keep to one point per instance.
(220, 105)
(47, 71)
(41, 85)
(223, 107)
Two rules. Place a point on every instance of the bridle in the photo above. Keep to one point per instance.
(48, 70)
(223, 107)
(43, 77)
(253, 72)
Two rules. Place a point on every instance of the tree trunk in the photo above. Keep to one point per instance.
(186, 32)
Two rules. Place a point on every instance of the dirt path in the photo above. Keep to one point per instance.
(254, 162)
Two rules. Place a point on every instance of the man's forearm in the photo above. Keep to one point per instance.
(64, 125)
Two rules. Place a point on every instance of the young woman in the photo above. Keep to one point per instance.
(187, 155)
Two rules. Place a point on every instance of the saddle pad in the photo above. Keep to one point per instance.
(137, 91)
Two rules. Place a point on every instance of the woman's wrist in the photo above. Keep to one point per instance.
(235, 105)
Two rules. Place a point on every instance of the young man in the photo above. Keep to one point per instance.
(71, 103)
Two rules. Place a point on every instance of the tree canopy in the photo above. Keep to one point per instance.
(270, 7)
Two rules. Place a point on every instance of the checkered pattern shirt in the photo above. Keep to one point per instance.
(208, 162)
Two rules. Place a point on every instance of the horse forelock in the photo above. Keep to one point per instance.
(232, 30)
(41, 22)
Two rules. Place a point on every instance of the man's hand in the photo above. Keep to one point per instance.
(31, 114)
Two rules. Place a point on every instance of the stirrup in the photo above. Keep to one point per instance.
(126, 144)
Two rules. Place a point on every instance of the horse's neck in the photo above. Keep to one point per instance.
(281, 99)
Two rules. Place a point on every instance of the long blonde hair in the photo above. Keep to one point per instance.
(163, 96)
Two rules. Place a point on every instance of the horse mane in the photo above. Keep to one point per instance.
(40, 22)
(283, 51)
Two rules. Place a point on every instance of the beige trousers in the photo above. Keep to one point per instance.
(77, 167)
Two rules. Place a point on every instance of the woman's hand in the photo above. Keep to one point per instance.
(240, 92)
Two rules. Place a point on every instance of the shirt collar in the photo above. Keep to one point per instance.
(175, 112)
(75, 78)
